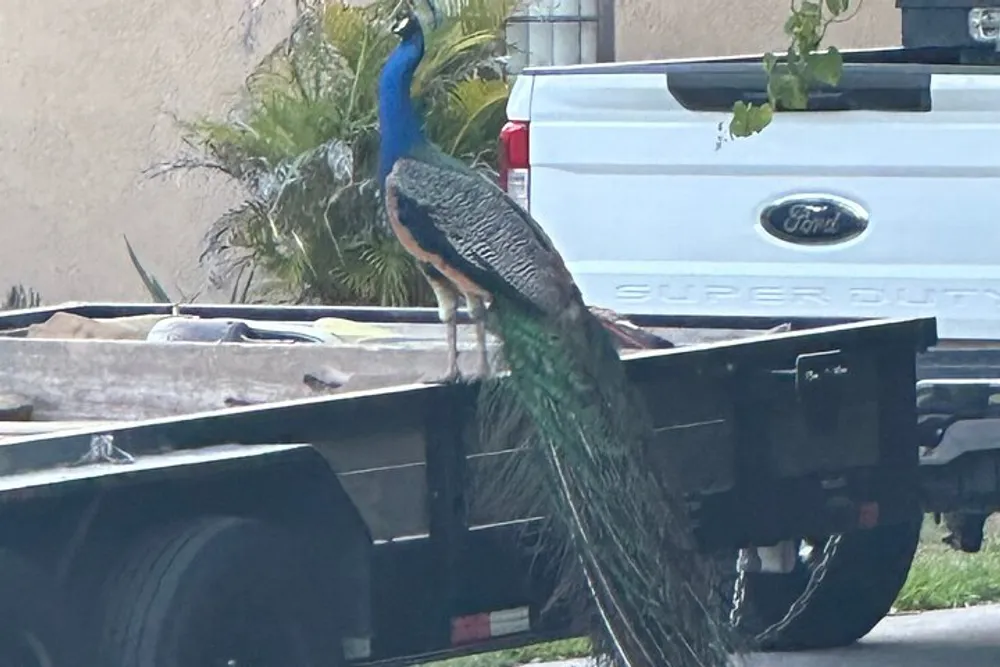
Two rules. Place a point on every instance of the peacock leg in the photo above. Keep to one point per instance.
(477, 313)
(447, 300)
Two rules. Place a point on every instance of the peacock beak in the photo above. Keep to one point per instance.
(400, 26)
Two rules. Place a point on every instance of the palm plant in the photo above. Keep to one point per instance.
(18, 297)
(303, 146)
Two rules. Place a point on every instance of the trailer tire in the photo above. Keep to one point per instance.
(863, 579)
(34, 626)
(210, 591)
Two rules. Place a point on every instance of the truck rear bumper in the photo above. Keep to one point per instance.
(960, 440)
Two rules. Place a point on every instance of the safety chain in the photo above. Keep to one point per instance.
(739, 589)
(796, 608)
(103, 450)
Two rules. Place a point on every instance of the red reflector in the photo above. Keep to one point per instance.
(868, 515)
(474, 628)
(514, 145)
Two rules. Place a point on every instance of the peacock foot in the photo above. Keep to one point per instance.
(480, 374)
(451, 377)
(483, 368)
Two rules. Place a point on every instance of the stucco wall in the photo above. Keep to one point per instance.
(681, 28)
(89, 90)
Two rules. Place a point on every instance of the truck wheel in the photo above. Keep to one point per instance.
(209, 593)
(34, 628)
(863, 579)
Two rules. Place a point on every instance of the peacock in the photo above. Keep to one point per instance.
(629, 536)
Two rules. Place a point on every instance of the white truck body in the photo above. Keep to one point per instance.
(653, 217)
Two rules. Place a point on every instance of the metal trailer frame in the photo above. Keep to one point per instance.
(807, 432)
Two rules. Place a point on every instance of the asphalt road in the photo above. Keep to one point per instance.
(955, 638)
(959, 638)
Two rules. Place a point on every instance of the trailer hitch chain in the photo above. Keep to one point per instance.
(103, 450)
(797, 607)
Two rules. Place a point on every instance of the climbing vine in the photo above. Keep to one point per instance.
(791, 75)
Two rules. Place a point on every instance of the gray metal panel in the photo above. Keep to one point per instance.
(606, 31)
(30, 483)
(862, 87)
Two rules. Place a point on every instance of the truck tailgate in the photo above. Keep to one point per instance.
(882, 198)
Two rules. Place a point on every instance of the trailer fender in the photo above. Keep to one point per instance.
(72, 517)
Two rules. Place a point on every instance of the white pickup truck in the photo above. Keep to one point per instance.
(882, 200)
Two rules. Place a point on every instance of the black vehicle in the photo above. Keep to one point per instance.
(249, 495)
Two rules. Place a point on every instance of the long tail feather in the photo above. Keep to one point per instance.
(585, 433)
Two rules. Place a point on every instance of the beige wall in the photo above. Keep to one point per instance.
(88, 93)
(681, 28)
(89, 90)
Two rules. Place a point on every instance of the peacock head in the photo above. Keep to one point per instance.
(406, 25)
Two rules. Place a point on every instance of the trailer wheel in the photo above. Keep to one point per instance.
(211, 592)
(34, 628)
(863, 579)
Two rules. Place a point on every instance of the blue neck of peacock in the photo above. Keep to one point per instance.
(399, 124)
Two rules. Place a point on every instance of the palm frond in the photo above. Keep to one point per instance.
(149, 281)
(476, 101)
(303, 144)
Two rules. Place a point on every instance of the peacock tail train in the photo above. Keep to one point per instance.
(585, 430)
(585, 433)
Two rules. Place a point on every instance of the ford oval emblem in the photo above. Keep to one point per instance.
(814, 219)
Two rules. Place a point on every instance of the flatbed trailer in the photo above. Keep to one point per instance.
(338, 515)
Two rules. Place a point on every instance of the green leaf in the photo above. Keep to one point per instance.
(749, 119)
(826, 67)
(811, 11)
(791, 23)
(153, 286)
(760, 117)
(837, 7)
(770, 60)
(789, 91)
(805, 26)
(740, 122)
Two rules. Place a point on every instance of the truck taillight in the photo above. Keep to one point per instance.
(515, 169)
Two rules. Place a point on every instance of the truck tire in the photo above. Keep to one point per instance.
(863, 579)
(212, 591)
(34, 628)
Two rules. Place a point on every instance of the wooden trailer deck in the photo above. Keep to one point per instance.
(72, 371)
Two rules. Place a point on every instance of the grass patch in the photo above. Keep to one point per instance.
(561, 650)
(940, 578)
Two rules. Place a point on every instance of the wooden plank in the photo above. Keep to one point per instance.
(33, 428)
(129, 380)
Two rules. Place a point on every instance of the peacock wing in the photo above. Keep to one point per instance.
(474, 228)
